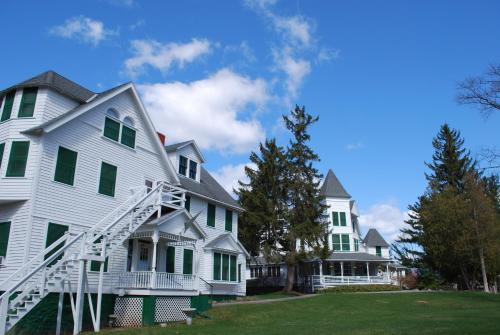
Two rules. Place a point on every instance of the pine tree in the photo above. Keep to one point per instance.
(304, 226)
(264, 200)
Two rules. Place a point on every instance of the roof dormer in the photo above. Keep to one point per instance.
(187, 158)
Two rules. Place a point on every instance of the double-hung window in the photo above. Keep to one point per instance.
(118, 131)
(7, 106)
(183, 163)
(229, 220)
(378, 251)
(65, 166)
(340, 242)
(225, 267)
(18, 158)
(193, 167)
(339, 219)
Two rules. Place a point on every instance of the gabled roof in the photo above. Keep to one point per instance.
(209, 189)
(332, 188)
(191, 222)
(180, 145)
(374, 239)
(227, 237)
(56, 82)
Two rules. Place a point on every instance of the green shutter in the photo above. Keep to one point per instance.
(107, 181)
(217, 264)
(128, 136)
(65, 166)
(18, 159)
(7, 106)
(211, 215)
(187, 203)
(335, 217)
(232, 267)
(346, 246)
(111, 129)
(187, 266)
(27, 107)
(2, 148)
(343, 221)
(4, 237)
(225, 267)
(170, 259)
(229, 220)
(239, 273)
(96, 266)
(336, 242)
(378, 251)
(54, 232)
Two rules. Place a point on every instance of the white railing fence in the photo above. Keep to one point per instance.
(322, 281)
(156, 280)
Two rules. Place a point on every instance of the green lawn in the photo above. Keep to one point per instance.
(348, 313)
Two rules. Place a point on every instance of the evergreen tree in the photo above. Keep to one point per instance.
(304, 225)
(264, 200)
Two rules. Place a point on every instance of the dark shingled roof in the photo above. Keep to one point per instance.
(208, 187)
(354, 256)
(374, 239)
(175, 146)
(56, 82)
(332, 187)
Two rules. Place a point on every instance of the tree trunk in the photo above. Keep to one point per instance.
(465, 278)
(290, 279)
(483, 270)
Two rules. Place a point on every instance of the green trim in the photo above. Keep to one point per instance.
(335, 218)
(187, 263)
(111, 129)
(202, 303)
(54, 232)
(217, 265)
(378, 251)
(2, 149)
(170, 259)
(346, 245)
(187, 203)
(148, 310)
(128, 136)
(343, 220)
(4, 237)
(232, 268)
(27, 107)
(225, 267)
(7, 106)
(107, 181)
(65, 166)
(18, 159)
(229, 220)
(211, 215)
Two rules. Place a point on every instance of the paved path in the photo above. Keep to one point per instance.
(263, 301)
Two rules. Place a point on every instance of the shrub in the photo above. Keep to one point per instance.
(362, 288)
(409, 282)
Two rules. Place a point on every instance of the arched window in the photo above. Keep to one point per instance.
(113, 113)
(128, 121)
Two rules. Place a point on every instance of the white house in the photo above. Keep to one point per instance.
(353, 259)
(93, 203)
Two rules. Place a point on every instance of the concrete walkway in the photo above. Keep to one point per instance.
(264, 301)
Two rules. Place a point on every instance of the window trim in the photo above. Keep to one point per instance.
(341, 244)
(181, 157)
(192, 162)
(184, 261)
(229, 255)
(26, 162)
(121, 124)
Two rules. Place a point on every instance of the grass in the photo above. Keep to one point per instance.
(267, 296)
(362, 288)
(350, 313)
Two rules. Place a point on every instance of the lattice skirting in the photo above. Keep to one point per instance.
(169, 309)
(128, 311)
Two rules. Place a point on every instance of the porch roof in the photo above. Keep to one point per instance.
(355, 256)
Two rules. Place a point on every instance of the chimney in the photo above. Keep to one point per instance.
(162, 137)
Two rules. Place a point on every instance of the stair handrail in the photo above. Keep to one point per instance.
(124, 214)
(38, 256)
(115, 212)
(50, 259)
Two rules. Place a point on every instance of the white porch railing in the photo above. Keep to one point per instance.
(156, 280)
(329, 281)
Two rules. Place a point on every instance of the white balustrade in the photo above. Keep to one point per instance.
(164, 280)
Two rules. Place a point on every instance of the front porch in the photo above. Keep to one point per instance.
(159, 263)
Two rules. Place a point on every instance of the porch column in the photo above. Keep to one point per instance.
(155, 239)
(320, 268)
(387, 271)
(368, 271)
(342, 271)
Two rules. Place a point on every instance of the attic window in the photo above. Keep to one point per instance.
(183, 162)
(193, 168)
(115, 130)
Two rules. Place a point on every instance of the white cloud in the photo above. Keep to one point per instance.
(386, 218)
(295, 70)
(326, 54)
(229, 175)
(163, 56)
(213, 111)
(354, 146)
(296, 28)
(83, 29)
(244, 49)
(137, 24)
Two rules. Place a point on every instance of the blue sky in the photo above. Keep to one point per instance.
(381, 75)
